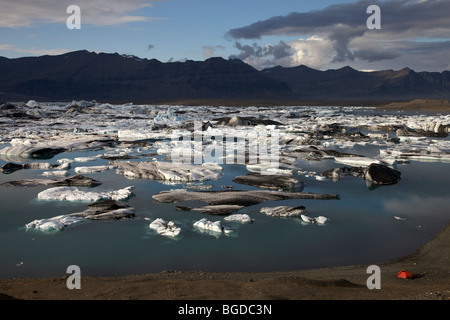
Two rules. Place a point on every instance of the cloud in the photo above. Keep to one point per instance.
(33, 50)
(24, 13)
(404, 23)
(263, 56)
(210, 51)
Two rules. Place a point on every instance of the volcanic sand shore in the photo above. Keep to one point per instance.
(429, 266)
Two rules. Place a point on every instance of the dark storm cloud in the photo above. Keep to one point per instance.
(374, 55)
(304, 23)
(345, 24)
(277, 51)
(398, 16)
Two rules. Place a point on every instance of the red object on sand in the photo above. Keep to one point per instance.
(404, 274)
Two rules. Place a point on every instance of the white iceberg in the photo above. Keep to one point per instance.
(242, 218)
(283, 211)
(85, 159)
(168, 171)
(53, 224)
(357, 161)
(318, 220)
(164, 228)
(74, 194)
(211, 226)
(56, 173)
(92, 169)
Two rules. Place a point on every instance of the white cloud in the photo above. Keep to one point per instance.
(33, 50)
(314, 52)
(210, 51)
(25, 13)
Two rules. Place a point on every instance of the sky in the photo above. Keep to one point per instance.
(320, 34)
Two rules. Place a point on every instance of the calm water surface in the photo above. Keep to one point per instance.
(362, 228)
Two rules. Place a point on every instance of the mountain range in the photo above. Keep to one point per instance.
(111, 77)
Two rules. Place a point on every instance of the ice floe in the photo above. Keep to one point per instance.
(77, 180)
(93, 169)
(75, 194)
(57, 223)
(239, 217)
(276, 182)
(164, 228)
(318, 220)
(101, 210)
(205, 225)
(168, 171)
(283, 211)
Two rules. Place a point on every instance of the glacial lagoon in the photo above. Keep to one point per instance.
(366, 224)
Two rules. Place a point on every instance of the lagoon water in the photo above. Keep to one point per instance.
(362, 228)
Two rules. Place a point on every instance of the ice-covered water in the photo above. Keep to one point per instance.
(366, 225)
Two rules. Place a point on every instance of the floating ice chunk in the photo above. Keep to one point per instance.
(64, 160)
(321, 219)
(177, 172)
(20, 142)
(318, 220)
(357, 161)
(74, 194)
(85, 159)
(52, 224)
(84, 170)
(211, 226)
(56, 173)
(268, 168)
(64, 166)
(284, 211)
(32, 104)
(242, 218)
(165, 228)
(167, 117)
(399, 218)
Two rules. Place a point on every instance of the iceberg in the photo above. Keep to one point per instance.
(283, 211)
(93, 169)
(167, 117)
(318, 220)
(164, 228)
(167, 171)
(56, 173)
(74, 194)
(205, 225)
(242, 218)
(85, 159)
(102, 210)
(106, 210)
(53, 224)
(357, 161)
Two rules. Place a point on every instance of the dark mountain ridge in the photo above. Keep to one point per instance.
(86, 75)
(350, 84)
(113, 77)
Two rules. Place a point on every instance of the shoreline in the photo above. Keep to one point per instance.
(429, 265)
